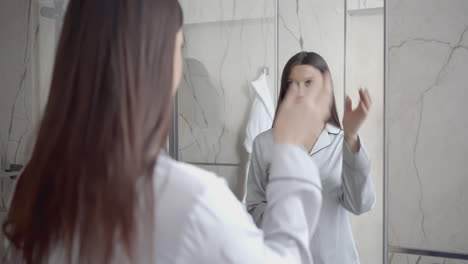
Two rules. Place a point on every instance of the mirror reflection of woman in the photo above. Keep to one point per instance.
(340, 155)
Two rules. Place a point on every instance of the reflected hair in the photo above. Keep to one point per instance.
(106, 120)
(318, 62)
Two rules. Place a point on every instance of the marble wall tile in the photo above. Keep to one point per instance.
(365, 68)
(221, 59)
(227, 45)
(436, 21)
(27, 53)
(18, 33)
(225, 10)
(16, 80)
(25, 69)
(427, 125)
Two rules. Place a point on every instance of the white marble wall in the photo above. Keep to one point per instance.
(427, 124)
(204, 11)
(365, 68)
(26, 58)
(15, 79)
(17, 28)
(15, 89)
(27, 55)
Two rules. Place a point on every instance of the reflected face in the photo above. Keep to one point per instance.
(305, 77)
(178, 61)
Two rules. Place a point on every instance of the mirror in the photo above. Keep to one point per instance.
(235, 54)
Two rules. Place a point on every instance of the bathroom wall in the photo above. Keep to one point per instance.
(15, 89)
(365, 68)
(27, 53)
(15, 80)
(427, 125)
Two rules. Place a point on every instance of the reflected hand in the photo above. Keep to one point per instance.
(302, 117)
(353, 119)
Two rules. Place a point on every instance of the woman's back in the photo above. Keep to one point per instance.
(199, 220)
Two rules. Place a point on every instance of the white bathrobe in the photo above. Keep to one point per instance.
(261, 116)
(198, 220)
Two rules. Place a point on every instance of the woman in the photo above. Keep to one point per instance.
(98, 188)
(340, 155)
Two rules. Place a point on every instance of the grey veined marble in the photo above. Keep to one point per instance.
(427, 146)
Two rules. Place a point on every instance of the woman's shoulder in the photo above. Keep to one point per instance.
(264, 138)
(186, 177)
(186, 197)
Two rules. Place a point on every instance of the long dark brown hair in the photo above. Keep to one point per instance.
(105, 122)
(315, 60)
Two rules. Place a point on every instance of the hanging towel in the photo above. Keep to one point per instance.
(262, 112)
(261, 116)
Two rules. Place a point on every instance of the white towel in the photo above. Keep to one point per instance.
(261, 117)
(262, 112)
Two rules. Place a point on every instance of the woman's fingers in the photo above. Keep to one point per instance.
(369, 97)
(364, 98)
(348, 104)
(363, 108)
(291, 96)
(301, 118)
